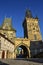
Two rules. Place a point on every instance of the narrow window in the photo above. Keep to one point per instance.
(35, 37)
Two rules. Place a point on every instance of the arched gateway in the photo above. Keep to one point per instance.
(22, 48)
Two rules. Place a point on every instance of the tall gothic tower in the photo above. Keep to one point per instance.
(31, 27)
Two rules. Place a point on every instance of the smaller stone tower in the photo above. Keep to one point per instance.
(31, 27)
(7, 29)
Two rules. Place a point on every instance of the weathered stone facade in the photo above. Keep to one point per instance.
(6, 47)
(31, 33)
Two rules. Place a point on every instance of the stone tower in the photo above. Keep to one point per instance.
(7, 24)
(31, 27)
(7, 29)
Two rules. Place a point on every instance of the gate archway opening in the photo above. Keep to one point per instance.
(22, 52)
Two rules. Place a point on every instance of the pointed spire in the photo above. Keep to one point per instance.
(36, 17)
(28, 13)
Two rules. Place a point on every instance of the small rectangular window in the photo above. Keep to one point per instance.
(35, 51)
(33, 28)
(35, 37)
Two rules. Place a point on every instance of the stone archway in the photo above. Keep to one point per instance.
(24, 51)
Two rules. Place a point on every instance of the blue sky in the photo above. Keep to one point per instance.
(16, 10)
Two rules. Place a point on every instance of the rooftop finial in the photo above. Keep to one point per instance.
(28, 13)
(36, 17)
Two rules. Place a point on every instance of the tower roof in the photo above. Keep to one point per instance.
(7, 24)
(28, 13)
